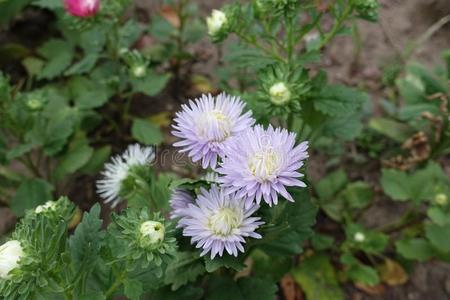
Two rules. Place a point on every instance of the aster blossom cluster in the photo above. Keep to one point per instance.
(251, 163)
(82, 8)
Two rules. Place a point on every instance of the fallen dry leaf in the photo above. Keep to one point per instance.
(375, 290)
(75, 219)
(169, 13)
(291, 291)
(392, 273)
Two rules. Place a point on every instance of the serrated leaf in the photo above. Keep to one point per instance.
(317, 278)
(31, 193)
(51, 4)
(133, 289)
(151, 84)
(438, 216)
(73, 160)
(146, 132)
(226, 261)
(84, 65)
(87, 93)
(186, 268)
(357, 194)
(338, 100)
(59, 54)
(85, 243)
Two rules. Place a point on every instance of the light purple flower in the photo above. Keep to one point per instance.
(179, 202)
(206, 125)
(260, 163)
(220, 221)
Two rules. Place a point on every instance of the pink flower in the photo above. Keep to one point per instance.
(82, 8)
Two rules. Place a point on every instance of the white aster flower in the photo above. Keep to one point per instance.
(10, 254)
(49, 205)
(215, 22)
(117, 171)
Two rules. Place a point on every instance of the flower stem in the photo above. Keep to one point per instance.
(116, 284)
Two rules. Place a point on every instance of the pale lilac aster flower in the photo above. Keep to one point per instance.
(179, 202)
(117, 170)
(220, 221)
(260, 163)
(206, 124)
(82, 8)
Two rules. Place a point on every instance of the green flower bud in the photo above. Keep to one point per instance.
(216, 22)
(34, 104)
(441, 199)
(152, 232)
(10, 254)
(367, 9)
(279, 93)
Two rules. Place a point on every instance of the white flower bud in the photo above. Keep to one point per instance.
(359, 237)
(139, 71)
(152, 232)
(10, 254)
(215, 22)
(49, 205)
(279, 93)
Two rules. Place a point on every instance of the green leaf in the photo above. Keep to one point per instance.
(438, 236)
(338, 100)
(93, 296)
(83, 66)
(186, 268)
(129, 33)
(288, 224)
(133, 289)
(397, 131)
(31, 193)
(330, 185)
(88, 93)
(227, 261)
(249, 288)
(417, 186)
(374, 242)
(97, 160)
(415, 249)
(10, 9)
(274, 267)
(146, 132)
(357, 194)
(184, 293)
(438, 216)
(51, 4)
(317, 278)
(59, 54)
(345, 127)
(33, 65)
(18, 151)
(85, 243)
(359, 272)
(322, 242)
(151, 84)
(76, 157)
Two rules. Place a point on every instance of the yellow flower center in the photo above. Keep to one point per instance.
(224, 221)
(264, 164)
(214, 126)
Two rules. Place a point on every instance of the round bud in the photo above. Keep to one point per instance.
(359, 237)
(152, 232)
(279, 93)
(215, 22)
